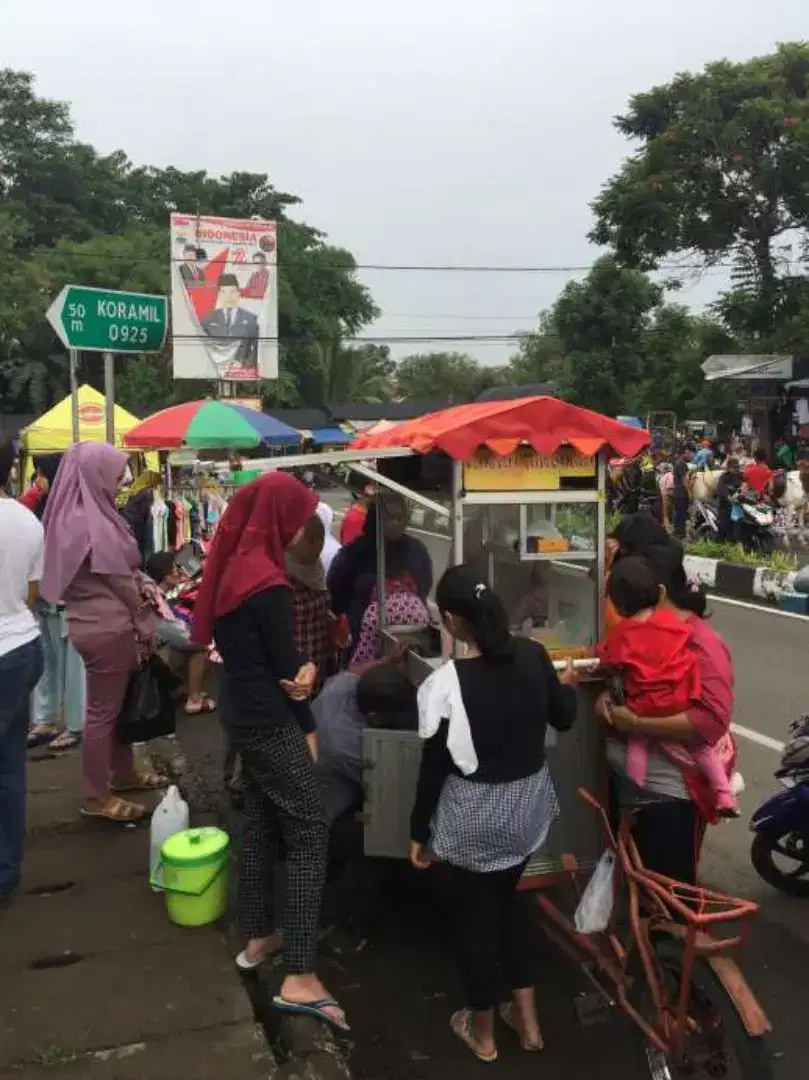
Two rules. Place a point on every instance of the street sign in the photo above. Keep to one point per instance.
(103, 320)
(754, 366)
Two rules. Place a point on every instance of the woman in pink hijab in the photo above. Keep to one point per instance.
(90, 563)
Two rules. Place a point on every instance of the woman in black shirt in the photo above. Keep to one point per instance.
(245, 602)
(485, 801)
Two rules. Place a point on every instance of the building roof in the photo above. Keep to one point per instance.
(386, 410)
(302, 419)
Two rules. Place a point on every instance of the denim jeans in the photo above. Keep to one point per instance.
(61, 693)
(20, 671)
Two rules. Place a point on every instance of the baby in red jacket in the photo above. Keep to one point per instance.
(651, 651)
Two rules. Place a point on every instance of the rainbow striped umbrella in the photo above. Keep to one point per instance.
(210, 425)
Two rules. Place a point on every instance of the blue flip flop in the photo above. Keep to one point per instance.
(313, 1009)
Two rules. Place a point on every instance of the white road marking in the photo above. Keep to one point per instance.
(714, 599)
(758, 738)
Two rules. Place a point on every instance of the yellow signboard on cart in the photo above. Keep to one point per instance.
(526, 470)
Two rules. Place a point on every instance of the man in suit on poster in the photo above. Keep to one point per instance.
(231, 322)
(190, 270)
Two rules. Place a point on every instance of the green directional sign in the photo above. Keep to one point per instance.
(102, 320)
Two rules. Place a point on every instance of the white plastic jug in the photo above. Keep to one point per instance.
(170, 817)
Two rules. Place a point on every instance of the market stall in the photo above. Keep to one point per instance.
(52, 433)
(196, 492)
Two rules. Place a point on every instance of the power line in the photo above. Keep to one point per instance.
(471, 268)
(191, 339)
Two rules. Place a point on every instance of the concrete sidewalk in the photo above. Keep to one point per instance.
(95, 982)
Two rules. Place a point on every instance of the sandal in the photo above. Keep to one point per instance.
(203, 705)
(65, 740)
(507, 1015)
(245, 964)
(119, 811)
(315, 1009)
(461, 1024)
(146, 781)
(40, 736)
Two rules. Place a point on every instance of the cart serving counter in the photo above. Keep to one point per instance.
(522, 486)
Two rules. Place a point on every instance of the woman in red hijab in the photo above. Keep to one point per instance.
(245, 605)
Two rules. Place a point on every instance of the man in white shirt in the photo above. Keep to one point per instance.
(22, 544)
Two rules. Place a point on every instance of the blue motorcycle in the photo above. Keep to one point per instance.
(780, 850)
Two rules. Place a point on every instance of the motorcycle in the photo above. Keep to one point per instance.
(705, 521)
(755, 527)
(781, 823)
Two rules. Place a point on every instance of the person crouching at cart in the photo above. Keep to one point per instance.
(245, 604)
(485, 801)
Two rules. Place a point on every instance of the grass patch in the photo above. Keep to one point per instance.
(51, 1057)
(780, 561)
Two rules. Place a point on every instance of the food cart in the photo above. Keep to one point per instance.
(520, 486)
(524, 481)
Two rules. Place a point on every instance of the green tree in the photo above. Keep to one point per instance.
(599, 323)
(673, 347)
(454, 377)
(540, 356)
(721, 173)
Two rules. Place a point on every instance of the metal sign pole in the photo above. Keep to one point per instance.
(109, 393)
(74, 393)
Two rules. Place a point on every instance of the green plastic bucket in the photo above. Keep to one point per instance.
(192, 874)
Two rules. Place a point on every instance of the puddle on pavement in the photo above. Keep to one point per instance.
(44, 891)
(59, 960)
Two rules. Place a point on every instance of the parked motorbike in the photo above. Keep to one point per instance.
(780, 850)
(755, 528)
(705, 521)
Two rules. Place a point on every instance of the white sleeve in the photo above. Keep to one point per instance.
(440, 698)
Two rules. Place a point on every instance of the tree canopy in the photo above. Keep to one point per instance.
(721, 174)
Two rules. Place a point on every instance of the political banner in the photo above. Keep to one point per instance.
(224, 298)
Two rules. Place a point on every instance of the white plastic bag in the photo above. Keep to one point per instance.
(596, 904)
(170, 817)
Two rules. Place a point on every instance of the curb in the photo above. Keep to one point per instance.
(739, 581)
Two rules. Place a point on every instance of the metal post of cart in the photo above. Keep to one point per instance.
(380, 564)
(601, 533)
(456, 512)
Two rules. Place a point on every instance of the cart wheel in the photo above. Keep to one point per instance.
(719, 1048)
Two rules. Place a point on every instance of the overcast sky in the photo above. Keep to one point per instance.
(425, 131)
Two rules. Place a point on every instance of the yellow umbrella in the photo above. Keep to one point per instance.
(52, 433)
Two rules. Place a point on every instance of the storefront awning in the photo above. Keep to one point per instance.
(332, 436)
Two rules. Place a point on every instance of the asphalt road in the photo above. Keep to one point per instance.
(404, 980)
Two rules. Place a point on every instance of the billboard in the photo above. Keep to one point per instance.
(224, 298)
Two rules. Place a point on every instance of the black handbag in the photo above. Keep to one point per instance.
(148, 710)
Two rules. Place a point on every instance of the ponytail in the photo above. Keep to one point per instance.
(667, 564)
(461, 592)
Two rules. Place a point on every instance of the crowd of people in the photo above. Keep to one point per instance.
(665, 482)
(293, 617)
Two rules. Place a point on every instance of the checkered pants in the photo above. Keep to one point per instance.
(282, 802)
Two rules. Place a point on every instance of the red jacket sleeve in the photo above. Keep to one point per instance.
(30, 499)
(610, 651)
